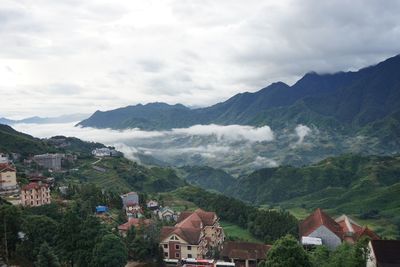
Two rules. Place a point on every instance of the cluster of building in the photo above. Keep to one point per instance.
(135, 214)
(35, 193)
(321, 229)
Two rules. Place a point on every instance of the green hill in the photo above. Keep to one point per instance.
(12, 141)
(122, 175)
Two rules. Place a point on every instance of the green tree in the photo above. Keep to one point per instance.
(47, 257)
(350, 255)
(10, 225)
(110, 252)
(287, 252)
(342, 256)
(69, 235)
(38, 229)
(319, 256)
(91, 232)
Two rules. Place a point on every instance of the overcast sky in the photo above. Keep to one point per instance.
(67, 56)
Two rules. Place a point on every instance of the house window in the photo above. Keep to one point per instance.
(165, 245)
(177, 247)
(177, 255)
(190, 256)
(189, 248)
(166, 254)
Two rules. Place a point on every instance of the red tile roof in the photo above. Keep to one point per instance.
(196, 219)
(317, 219)
(344, 227)
(134, 222)
(190, 235)
(244, 250)
(365, 231)
(33, 185)
(6, 167)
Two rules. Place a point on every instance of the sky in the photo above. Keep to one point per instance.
(78, 56)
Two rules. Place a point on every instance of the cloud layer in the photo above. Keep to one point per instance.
(69, 55)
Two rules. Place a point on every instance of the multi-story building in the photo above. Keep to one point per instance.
(49, 161)
(130, 203)
(193, 236)
(8, 178)
(35, 194)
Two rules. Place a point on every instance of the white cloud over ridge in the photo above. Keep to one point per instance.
(230, 133)
(95, 54)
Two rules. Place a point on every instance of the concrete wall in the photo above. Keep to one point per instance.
(328, 238)
(8, 180)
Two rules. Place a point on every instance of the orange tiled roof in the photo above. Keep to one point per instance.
(6, 167)
(317, 219)
(34, 185)
(133, 222)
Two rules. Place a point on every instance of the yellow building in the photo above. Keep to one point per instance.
(8, 177)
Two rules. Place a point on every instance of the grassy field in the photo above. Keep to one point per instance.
(236, 232)
(177, 204)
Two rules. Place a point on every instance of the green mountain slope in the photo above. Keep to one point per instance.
(207, 177)
(12, 141)
(350, 184)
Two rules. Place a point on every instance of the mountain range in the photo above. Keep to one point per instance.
(40, 120)
(342, 101)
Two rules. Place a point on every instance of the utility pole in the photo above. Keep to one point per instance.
(5, 239)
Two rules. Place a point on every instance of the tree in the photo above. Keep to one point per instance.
(350, 255)
(69, 235)
(46, 257)
(287, 252)
(38, 229)
(319, 256)
(110, 252)
(10, 224)
(342, 256)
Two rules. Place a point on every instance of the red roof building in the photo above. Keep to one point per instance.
(244, 253)
(35, 194)
(333, 232)
(192, 236)
(124, 228)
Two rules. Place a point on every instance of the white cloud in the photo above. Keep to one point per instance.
(302, 131)
(230, 132)
(117, 53)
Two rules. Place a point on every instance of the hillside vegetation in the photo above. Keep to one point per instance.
(367, 187)
(366, 102)
(24, 144)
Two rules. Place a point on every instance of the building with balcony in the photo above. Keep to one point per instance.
(35, 194)
(194, 235)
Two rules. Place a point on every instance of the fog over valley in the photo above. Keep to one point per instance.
(230, 147)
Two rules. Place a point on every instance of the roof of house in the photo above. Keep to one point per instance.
(244, 250)
(6, 167)
(317, 219)
(198, 219)
(134, 222)
(34, 185)
(387, 252)
(352, 231)
(190, 235)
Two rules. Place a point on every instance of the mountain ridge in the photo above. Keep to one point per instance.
(353, 99)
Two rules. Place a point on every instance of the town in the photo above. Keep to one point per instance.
(153, 231)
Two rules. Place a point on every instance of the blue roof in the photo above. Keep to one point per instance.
(101, 209)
